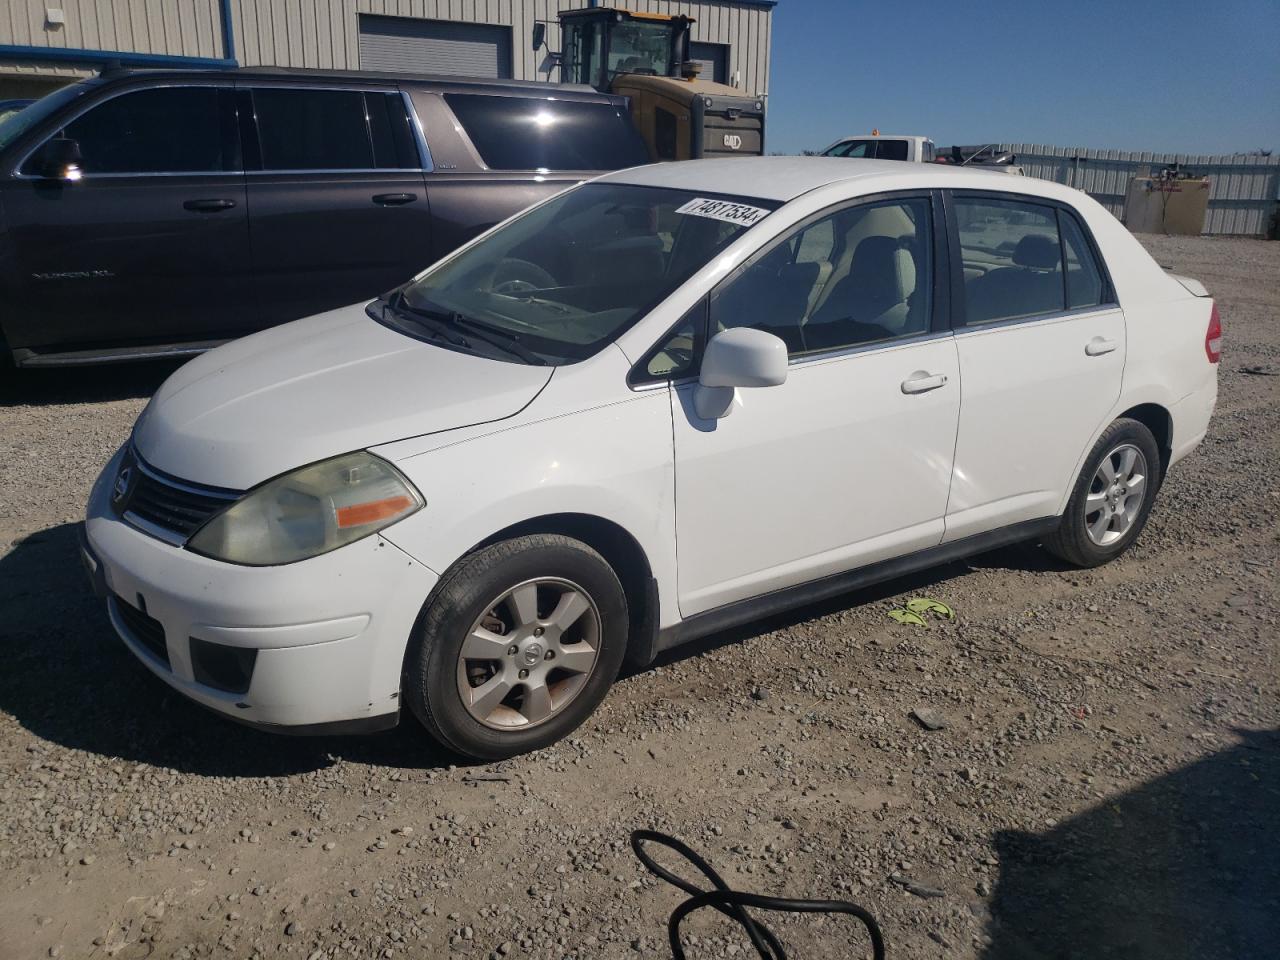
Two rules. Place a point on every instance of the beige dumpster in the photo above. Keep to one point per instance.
(1158, 205)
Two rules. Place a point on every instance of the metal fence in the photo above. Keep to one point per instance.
(1243, 190)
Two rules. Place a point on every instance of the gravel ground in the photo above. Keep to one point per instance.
(1108, 782)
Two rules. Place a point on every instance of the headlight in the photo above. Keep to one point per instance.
(308, 512)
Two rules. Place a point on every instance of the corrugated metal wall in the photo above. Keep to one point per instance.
(1243, 190)
(324, 33)
(189, 28)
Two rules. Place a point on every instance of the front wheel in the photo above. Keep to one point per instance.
(1112, 497)
(518, 646)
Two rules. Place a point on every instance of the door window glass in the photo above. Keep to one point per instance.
(853, 148)
(1084, 279)
(160, 130)
(529, 133)
(393, 144)
(1012, 259)
(862, 275)
(891, 150)
(301, 129)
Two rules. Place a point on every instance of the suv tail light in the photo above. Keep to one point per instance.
(1213, 337)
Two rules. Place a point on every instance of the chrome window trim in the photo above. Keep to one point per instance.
(972, 328)
(424, 152)
(82, 109)
(872, 346)
(360, 170)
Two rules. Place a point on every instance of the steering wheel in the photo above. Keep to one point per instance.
(515, 277)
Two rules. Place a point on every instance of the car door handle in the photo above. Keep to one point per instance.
(922, 382)
(1098, 346)
(208, 206)
(394, 199)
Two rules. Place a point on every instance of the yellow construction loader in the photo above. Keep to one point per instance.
(645, 57)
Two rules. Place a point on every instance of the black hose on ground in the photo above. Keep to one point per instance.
(732, 903)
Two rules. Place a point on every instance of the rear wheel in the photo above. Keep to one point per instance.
(518, 646)
(1112, 497)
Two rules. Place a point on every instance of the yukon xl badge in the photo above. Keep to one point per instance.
(733, 141)
(75, 275)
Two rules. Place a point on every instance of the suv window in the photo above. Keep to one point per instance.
(303, 129)
(891, 150)
(529, 133)
(159, 130)
(853, 148)
(862, 275)
(1012, 259)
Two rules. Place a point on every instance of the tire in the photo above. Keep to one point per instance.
(517, 646)
(1101, 521)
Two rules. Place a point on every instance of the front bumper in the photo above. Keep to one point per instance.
(325, 637)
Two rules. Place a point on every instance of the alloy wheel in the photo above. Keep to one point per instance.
(529, 655)
(1115, 495)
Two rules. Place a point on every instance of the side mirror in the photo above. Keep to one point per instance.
(60, 159)
(741, 357)
(539, 35)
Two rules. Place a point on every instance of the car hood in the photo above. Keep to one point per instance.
(316, 388)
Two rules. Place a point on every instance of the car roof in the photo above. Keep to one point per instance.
(785, 178)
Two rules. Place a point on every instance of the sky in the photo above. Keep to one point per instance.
(1177, 76)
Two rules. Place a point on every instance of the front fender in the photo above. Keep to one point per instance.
(613, 462)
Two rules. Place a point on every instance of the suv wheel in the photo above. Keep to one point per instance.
(1112, 497)
(517, 647)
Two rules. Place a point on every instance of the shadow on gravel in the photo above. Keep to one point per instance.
(1183, 868)
(68, 679)
(61, 385)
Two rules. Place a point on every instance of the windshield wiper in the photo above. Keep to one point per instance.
(503, 341)
(445, 324)
(434, 322)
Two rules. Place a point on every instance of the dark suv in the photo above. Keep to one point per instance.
(159, 212)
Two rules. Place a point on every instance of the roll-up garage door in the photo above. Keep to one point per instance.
(410, 45)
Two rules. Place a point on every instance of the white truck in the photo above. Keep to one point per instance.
(880, 146)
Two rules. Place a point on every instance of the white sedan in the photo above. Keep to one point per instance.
(671, 400)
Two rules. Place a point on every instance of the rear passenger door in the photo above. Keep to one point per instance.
(338, 209)
(1041, 350)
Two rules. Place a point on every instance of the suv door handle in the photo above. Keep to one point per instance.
(1098, 346)
(922, 381)
(394, 199)
(208, 206)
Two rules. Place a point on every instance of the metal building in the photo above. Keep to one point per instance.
(46, 43)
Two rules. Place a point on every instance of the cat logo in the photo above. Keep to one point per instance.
(733, 141)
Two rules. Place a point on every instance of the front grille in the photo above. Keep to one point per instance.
(175, 506)
(148, 631)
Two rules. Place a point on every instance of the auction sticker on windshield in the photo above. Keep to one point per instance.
(739, 213)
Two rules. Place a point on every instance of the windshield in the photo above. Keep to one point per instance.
(639, 47)
(569, 276)
(19, 123)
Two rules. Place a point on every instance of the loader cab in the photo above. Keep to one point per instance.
(601, 44)
(645, 58)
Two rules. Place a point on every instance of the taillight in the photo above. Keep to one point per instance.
(1213, 337)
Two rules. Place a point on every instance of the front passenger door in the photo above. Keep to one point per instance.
(848, 462)
(150, 245)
